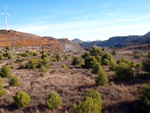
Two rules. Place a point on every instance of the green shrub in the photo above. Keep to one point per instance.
(1, 57)
(58, 57)
(113, 66)
(53, 101)
(106, 62)
(10, 56)
(22, 65)
(146, 65)
(123, 61)
(44, 55)
(32, 64)
(101, 79)
(43, 69)
(124, 72)
(92, 103)
(114, 52)
(25, 55)
(14, 81)
(30, 53)
(66, 57)
(7, 48)
(64, 66)
(21, 99)
(86, 54)
(90, 62)
(97, 68)
(136, 52)
(139, 65)
(5, 71)
(77, 60)
(18, 56)
(133, 64)
(96, 51)
(2, 90)
(35, 54)
(98, 58)
(137, 56)
(54, 59)
(104, 49)
(144, 99)
(46, 62)
(107, 56)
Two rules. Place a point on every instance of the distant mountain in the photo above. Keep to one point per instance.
(120, 41)
(77, 41)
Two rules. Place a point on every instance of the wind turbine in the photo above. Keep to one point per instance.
(5, 13)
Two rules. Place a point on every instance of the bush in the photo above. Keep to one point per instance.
(137, 56)
(133, 64)
(136, 52)
(90, 62)
(14, 81)
(107, 56)
(113, 66)
(22, 65)
(104, 49)
(21, 99)
(92, 103)
(86, 54)
(18, 56)
(123, 61)
(124, 72)
(64, 66)
(9, 55)
(145, 99)
(2, 90)
(114, 52)
(32, 64)
(35, 54)
(101, 79)
(96, 51)
(54, 59)
(66, 57)
(25, 55)
(44, 55)
(97, 68)
(46, 62)
(139, 65)
(53, 101)
(58, 57)
(106, 62)
(7, 48)
(77, 60)
(5, 71)
(146, 65)
(98, 58)
(43, 69)
(1, 57)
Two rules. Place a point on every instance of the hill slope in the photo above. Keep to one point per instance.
(76, 40)
(15, 38)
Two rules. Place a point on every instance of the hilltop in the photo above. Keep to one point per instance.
(120, 41)
(16, 38)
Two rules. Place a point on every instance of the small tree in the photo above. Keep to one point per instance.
(1, 57)
(14, 81)
(114, 52)
(146, 65)
(90, 62)
(106, 62)
(66, 57)
(32, 64)
(113, 66)
(97, 68)
(96, 51)
(101, 79)
(77, 60)
(43, 69)
(64, 66)
(98, 58)
(124, 72)
(86, 54)
(5, 71)
(21, 99)
(58, 57)
(137, 56)
(53, 101)
(10, 56)
(2, 90)
(35, 54)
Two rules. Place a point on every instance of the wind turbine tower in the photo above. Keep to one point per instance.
(5, 13)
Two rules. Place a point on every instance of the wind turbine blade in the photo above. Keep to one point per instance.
(1, 13)
(8, 14)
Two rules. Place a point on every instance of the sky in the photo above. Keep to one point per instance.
(83, 19)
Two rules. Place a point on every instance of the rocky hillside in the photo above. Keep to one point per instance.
(15, 38)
